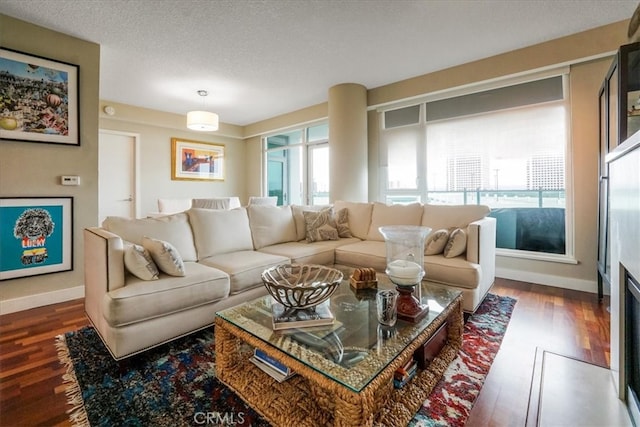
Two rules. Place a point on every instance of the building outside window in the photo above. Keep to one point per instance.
(502, 147)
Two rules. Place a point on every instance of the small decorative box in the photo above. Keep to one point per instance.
(363, 278)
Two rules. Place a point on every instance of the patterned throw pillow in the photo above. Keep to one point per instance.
(320, 225)
(139, 262)
(457, 243)
(342, 223)
(436, 242)
(165, 256)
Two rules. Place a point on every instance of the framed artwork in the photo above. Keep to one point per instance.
(38, 99)
(36, 236)
(195, 160)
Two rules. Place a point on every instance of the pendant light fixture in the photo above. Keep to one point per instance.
(203, 121)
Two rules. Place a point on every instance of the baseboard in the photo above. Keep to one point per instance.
(40, 300)
(549, 280)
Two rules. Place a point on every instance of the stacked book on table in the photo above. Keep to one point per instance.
(271, 366)
(288, 318)
(404, 374)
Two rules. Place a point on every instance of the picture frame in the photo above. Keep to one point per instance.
(38, 99)
(196, 160)
(36, 236)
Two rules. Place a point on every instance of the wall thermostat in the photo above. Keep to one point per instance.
(70, 180)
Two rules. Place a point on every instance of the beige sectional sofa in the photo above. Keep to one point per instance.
(222, 254)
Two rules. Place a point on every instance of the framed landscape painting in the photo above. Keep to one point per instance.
(195, 160)
(38, 99)
(36, 236)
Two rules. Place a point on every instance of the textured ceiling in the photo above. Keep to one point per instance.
(259, 59)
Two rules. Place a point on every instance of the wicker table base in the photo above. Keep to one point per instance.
(313, 399)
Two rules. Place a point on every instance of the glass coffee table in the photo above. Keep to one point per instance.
(344, 371)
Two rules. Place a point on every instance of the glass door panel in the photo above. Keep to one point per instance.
(318, 160)
(276, 176)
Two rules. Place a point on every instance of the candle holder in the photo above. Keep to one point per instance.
(405, 267)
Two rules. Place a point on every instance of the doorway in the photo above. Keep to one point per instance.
(117, 174)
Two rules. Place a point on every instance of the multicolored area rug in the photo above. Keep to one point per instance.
(175, 384)
(451, 400)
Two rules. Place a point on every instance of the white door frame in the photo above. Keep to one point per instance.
(136, 166)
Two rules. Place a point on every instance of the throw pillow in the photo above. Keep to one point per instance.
(320, 226)
(165, 256)
(457, 243)
(342, 222)
(436, 242)
(138, 262)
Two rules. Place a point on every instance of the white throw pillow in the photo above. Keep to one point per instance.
(457, 243)
(165, 256)
(436, 242)
(139, 262)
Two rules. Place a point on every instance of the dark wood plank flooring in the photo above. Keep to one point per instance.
(566, 322)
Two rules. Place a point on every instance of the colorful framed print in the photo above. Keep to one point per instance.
(195, 160)
(36, 236)
(38, 99)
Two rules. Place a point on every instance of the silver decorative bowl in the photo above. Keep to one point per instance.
(301, 285)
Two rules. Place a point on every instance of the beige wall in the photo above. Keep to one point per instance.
(244, 168)
(156, 130)
(585, 82)
(34, 169)
(588, 55)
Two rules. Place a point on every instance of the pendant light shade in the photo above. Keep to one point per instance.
(203, 121)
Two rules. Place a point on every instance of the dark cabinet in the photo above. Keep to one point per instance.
(619, 100)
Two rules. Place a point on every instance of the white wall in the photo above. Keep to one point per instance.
(156, 130)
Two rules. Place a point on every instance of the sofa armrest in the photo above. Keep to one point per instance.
(481, 249)
(103, 267)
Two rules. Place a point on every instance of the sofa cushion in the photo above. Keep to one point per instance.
(298, 217)
(303, 252)
(456, 244)
(165, 256)
(384, 214)
(366, 253)
(456, 271)
(138, 262)
(140, 300)
(452, 216)
(174, 229)
(320, 225)
(271, 225)
(244, 267)
(359, 216)
(436, 242)
(220, 231)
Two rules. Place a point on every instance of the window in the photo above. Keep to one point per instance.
(297, 165)
(503, 147)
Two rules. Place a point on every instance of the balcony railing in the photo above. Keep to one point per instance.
(531, 220)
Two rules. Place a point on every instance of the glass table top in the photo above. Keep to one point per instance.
(356, 348)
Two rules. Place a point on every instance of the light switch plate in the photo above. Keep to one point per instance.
(70, 180)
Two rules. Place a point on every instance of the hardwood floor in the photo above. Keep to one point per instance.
(566, 322)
